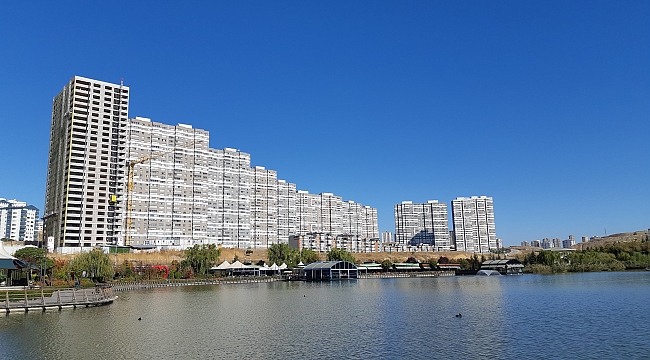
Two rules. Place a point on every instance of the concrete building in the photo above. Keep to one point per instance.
(536, 243)
(170, 196)
(557, 243)
(331, 214)
(18, 221)
(525, 243)
(287, 211)
(418, 224)
(86, 164)
(547, 243)
(474, 227)
(569, 242)
(229, 207)
(308, 213)
(386, 237)
(264, 207)
(115, 180)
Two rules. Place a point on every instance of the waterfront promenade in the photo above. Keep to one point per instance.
(137, 285)
(24, 300)
(419, 274)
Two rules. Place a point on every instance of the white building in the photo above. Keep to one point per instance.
(169, 200)
(422, 224)
(229, 222)
(18, 221)
(142, 183)
(474, 227)
(86, 167)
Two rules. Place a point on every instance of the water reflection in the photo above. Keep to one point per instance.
(503, 317)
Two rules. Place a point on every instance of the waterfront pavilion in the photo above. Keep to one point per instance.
(505, 267)
(11, 268)
(329, 270)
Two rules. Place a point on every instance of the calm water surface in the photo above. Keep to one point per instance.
(572, 316)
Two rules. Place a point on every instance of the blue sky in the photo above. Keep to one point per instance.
(543, 105)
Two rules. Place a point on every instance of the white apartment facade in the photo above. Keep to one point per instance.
(422, 224)
(136, 182)
(18, 221)
(474, 228)
(169, 199)
(229, 211)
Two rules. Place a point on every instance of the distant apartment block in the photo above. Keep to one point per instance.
(474, 228)
(557, 243)
(536, 243)
(569, 242)
(418, 224)
(18, 221)
(115, 180)
(86, 168)
(386, 237)
(525, 243)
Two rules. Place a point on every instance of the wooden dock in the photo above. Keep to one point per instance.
(44, 299)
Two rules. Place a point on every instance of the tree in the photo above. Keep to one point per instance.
(308, 256)
(35, 257)
(200, 258)
(337, 254)
(95, 263)
(386, 265)
(282, 253)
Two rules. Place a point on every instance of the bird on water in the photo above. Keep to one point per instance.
(459, 315)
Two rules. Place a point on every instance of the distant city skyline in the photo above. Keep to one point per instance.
(541, 106)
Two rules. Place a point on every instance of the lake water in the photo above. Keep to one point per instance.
(571, 316)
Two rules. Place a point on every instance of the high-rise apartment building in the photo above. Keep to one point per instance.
(287, 214)
(170, 195)
(308, 212)
(18, 221)
(417, 224)
(331, 214)
(264, 207)
(229, 214)
(86, 164)
(474, 228)
(114, 180)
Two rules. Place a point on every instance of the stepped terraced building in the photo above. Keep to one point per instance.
(182, 191)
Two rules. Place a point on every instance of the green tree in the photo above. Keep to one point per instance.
(282, 253)
(464, 264)
(126, 270)
(95, 263)
(35, 257)
(337, 254)
(307, 256)
(386, 265)
(200, 258)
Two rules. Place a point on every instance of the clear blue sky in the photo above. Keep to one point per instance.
(543, 105)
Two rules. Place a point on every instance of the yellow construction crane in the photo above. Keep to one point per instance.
(131, 185)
